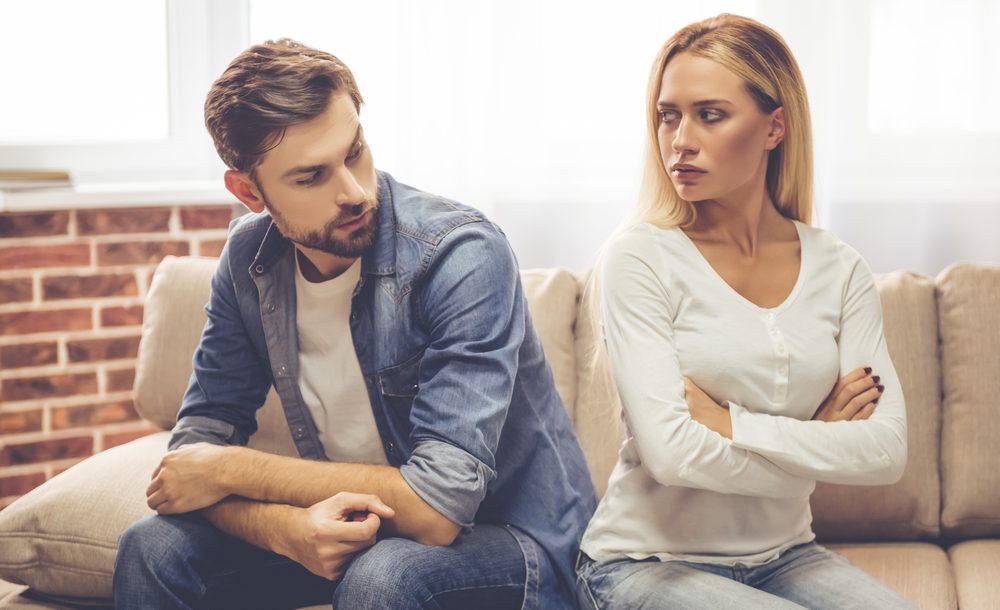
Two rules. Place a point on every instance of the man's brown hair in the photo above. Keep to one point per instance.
(266, 89)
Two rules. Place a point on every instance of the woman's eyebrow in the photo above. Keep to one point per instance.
(715, 102)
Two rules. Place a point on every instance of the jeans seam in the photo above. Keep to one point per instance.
(530, 557)
(470, 588)
(590, 594)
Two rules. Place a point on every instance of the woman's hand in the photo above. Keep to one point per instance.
(854, 397)
(706, 411)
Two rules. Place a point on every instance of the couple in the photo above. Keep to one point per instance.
(438, 466)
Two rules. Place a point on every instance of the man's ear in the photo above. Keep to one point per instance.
(240, 185)
(777, 133)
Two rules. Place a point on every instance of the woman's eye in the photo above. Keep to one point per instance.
(711, 116)
(667, 115)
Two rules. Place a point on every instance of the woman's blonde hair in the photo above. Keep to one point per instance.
(759, 56)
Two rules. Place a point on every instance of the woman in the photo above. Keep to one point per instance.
(727, 321)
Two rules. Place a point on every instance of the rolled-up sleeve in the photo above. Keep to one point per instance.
(472, 306)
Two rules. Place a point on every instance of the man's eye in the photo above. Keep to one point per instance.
(356, 152)
(310, 180)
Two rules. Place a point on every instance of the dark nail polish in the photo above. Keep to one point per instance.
(868, 370)
(876, 400)
(876, 378)
(881, 388)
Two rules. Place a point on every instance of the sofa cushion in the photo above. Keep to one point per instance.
(976, 564)
(62, 537)
(552, 297)
(969, 309)
(908, 509)
(919, 572)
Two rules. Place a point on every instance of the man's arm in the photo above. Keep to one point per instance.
(200, 475)
(323, 538)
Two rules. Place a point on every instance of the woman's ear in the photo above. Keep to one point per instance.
(242, 186)
(777, 133)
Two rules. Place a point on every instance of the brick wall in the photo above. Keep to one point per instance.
(72, 284)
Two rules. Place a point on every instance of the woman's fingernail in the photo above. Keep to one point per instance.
(868, 370)
(876, 378)
(881, 388)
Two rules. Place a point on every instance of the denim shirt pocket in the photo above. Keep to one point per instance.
(398, 386)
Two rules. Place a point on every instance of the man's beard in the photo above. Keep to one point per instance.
(352, 246)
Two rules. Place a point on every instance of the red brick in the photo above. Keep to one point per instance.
(20, 484)
(89, 286)
(133, 220)
(120, 438)
(46, 451)
(121, 380)
(114, 348)
(48, 386)
(21, 421)
(139, 252)
(33, 225)
(93, 415)
(121, 316)
(214, 217)
(27, 322)
(15, 291)
(211, 247)
(34, 257)
(29, 354)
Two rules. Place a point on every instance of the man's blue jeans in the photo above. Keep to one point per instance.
(804, 576)
(183, 562)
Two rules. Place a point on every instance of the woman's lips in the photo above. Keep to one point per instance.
(688, 174)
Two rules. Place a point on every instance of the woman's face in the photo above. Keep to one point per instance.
(713, 137)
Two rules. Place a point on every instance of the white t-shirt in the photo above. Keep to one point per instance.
(681, 491)
(330, 377)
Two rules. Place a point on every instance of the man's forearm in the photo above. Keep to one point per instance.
(302, 483)
(261, 524)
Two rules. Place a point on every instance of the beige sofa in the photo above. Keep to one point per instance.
(927, 536)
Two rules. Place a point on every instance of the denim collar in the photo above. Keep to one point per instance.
(379, 260)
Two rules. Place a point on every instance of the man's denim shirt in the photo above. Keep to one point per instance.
(463, 398)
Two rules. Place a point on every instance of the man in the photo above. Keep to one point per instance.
(438, 466)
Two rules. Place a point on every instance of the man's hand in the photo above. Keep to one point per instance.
(854, 397)
(188, 478)
(706, 411)
(325, 537)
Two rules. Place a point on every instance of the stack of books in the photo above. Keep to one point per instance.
(30, 180)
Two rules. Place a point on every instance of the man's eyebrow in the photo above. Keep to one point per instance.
(308, 169)
(698, 103)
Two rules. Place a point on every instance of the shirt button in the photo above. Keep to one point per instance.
(270, 307)
(282, 370)
(783, 370)
(354, 316)
(390, 447)
(259, 269)
(300, 432)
